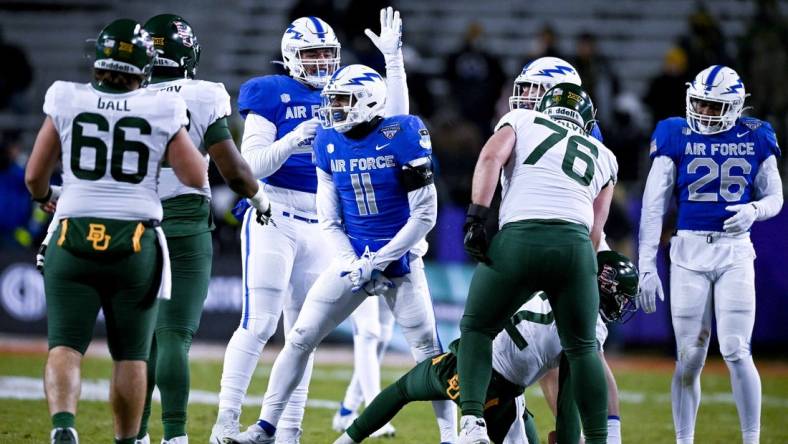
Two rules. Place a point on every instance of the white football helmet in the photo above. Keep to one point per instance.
(537, 77)
(354, 94)
(715, 100)
(310, 33)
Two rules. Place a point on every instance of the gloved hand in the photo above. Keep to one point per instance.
(389, 41)
(650, 287)
(742, 220)
(42, 251)
(263, 206)
(302, 135)
(475, 240)
(378, 285)
(363, 275)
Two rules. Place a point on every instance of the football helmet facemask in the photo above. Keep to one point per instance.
(715, 100)
(354, 94)
(617, 278)
(310, 51)
(537, 77)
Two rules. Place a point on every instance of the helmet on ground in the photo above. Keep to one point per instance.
(617, 278)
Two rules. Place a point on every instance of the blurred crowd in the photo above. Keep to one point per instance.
(462, 100)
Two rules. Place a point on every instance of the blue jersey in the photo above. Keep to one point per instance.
(596, 133)
(367, 174)
(713, 171)
(286, 103)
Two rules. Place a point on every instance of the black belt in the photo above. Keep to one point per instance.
(301, 218)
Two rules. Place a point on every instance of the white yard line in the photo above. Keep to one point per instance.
(22, 387)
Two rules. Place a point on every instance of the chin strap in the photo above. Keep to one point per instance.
(364, 128)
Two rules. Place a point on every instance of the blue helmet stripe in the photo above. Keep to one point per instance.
(318, 27)
(710, 80)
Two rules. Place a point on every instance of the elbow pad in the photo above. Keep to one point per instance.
(417, 176)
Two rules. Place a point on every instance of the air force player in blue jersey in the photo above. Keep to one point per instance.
(722, 170)
(376, 202)
(281, 263)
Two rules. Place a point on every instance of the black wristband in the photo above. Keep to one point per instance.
(45, 199)
(477, 212)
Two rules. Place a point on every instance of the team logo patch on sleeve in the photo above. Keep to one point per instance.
(425, 141)
(752, 124)
(389, 131)
(285, 98)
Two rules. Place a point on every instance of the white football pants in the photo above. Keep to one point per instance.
(328, 303)
(280, 264)
(718, 277)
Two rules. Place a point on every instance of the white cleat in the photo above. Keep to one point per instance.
(387, 431)
(64, 435)
(227, 424)
(252, 435)
(177, 440)
(341, 422)
(473, 430)
(144, 440)
(288, 436)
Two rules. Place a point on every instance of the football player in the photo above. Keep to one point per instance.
(281, 263)
(112, 136)
(536, 78)
(722, 168)
(376, 202)
(546, 242)
(187, 217)
(522, 354)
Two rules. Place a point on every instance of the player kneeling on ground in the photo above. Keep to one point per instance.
(528, 348)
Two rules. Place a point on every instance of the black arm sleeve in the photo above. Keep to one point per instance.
(415, 177)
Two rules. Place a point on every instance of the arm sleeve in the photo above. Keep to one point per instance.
(258, 148)
(659, 188)
(768, 189)
(397, 101)
(423, 204)
(330, 215)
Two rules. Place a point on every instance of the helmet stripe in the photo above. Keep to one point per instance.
(321, 33)
(712, 76)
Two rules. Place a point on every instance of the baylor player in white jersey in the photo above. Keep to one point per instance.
(111, 137)
(187, 218)
(557, 187)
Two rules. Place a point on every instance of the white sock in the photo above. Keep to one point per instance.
(613, 430)
(366, 366)
(685, 397)
(293, 416)
(240, 360)
(746, 384)
(446, 415)
(286, 374)
(344, 439)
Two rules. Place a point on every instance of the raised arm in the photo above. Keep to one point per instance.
(389, 42)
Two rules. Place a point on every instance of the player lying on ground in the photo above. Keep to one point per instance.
(112, 137)
(376, 202)
(722, 169)
(280, 264)
(527, 349)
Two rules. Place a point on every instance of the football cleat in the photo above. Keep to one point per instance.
(144, 440)
(387, 431)
(342, 419)
(64, 435)
(177, 440)
(473, 430)
(226, 425)
(254, 434)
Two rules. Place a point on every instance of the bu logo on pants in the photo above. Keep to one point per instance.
(98, 235)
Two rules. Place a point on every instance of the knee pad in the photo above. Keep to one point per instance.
(691, 360)
(734, 348)
(303, 338)
(261, 326)
(169, 338)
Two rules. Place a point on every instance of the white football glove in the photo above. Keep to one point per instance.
(263, 206)
(302, 135)
(389, 41)
(363, 275)
(742, 220)
(650, 287)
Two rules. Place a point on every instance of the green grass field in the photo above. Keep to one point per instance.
(644, 384)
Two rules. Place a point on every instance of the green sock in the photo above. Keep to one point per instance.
(149, 394)
(474, 365)
(125, 440)
(172, 378)
(63, 420)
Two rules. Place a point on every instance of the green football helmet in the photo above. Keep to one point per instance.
(567, 102)
(617, 277)
(123, 46)
(176, 43)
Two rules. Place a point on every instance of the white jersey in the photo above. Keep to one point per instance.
(112, 146)
(207, 102)
(541, 349)
(554, 172)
